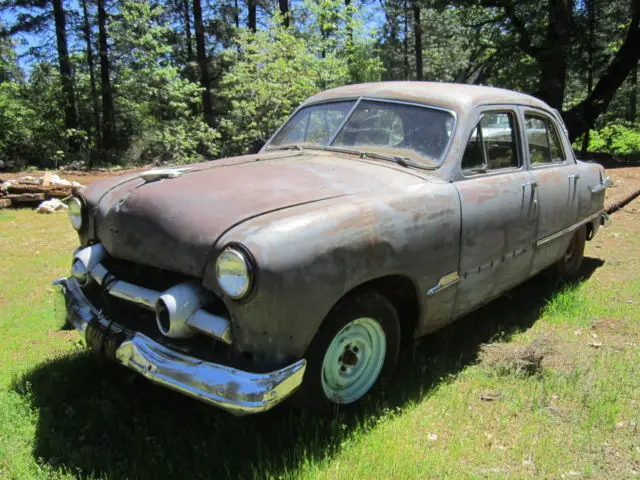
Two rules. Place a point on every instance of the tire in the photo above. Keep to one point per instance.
(568, 267)
(354, 350)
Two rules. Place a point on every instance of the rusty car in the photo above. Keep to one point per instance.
(376, 214)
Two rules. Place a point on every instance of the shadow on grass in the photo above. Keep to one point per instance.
(97, 418)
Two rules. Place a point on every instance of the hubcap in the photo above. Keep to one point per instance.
(353, 360)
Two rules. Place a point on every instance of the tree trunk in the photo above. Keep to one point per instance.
(108, 128)
(405, 39)
(236, 13)
(632, 112)
(582, 116)
(284, 11)
(187, 29)
(591, 19)
(349, 19)
(252, 11)
(553, 56)
(86, 30)
(205, 81)
(417, 33)
(66, 77)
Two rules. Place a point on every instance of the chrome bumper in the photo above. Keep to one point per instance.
(236, 391)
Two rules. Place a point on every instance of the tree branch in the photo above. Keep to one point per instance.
(582, 116)
(524, 39)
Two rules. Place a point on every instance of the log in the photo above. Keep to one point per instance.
(26, 198)
(51, 191)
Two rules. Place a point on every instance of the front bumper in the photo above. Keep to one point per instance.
(236, 391)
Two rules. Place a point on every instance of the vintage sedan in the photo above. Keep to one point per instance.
(376, 214)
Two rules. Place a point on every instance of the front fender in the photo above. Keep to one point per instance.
(309, 257)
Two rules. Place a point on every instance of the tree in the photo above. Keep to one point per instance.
(108, 114)
(546, 34)
(252, 15)
(65, 65)
(205, 81)
(417, 35)
(284, 12)
(34, 15)
(86, 31)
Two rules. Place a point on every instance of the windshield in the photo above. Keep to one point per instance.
(416, 132)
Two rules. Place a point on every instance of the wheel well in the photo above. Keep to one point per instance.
(402, 294)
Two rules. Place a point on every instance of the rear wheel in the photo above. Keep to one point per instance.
(568, 267)
(355, 348)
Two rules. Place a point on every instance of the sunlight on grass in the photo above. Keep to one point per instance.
(65, 413)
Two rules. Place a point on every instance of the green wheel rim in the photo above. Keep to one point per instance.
(353, 360)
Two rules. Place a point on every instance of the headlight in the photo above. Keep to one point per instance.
(75, 213)
(233, 272)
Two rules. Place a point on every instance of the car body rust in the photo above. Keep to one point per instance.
(319, 223)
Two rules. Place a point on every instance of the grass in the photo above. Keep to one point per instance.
(451, 412)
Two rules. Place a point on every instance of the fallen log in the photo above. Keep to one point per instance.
(50, 191)
(25, 198)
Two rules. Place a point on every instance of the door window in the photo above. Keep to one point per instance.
(544, 143)
(492, 145)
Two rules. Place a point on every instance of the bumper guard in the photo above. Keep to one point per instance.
(236, 391)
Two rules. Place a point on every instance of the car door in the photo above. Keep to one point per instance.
(498, 207)
(557, 181)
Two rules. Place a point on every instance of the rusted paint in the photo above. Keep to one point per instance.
(319, 224)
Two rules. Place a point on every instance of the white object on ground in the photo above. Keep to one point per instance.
(51, 206)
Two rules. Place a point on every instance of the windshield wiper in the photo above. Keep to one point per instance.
(398, 159)
(297, 146)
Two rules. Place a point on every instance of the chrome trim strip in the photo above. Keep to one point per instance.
(144, 297)
(447, 281)
(602, 186)
(572, 228)
(211, 325)
(235, 391)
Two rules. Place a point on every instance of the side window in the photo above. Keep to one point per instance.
(492, 145)
(544, 142)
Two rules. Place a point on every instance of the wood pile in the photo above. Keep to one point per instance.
(30, 191)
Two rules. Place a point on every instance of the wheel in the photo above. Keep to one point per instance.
(568, 266)
(356, 347)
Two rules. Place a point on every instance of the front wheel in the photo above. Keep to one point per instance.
(356, 346)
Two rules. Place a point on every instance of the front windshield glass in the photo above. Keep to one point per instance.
(313, 125)
(419, 133)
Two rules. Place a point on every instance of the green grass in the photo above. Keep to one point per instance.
(65, 413)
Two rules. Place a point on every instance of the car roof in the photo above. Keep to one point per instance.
(458, 97)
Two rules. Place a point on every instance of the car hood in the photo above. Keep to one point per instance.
(172, 223)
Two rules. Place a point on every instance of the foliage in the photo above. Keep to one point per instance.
(272, 71)
(615, 138)
(256, 79)
(15, 125)
(156, 108)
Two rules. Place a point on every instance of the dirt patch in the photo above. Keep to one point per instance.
(626, 183)
(509, 359)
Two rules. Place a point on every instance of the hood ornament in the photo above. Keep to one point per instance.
(162, 173)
